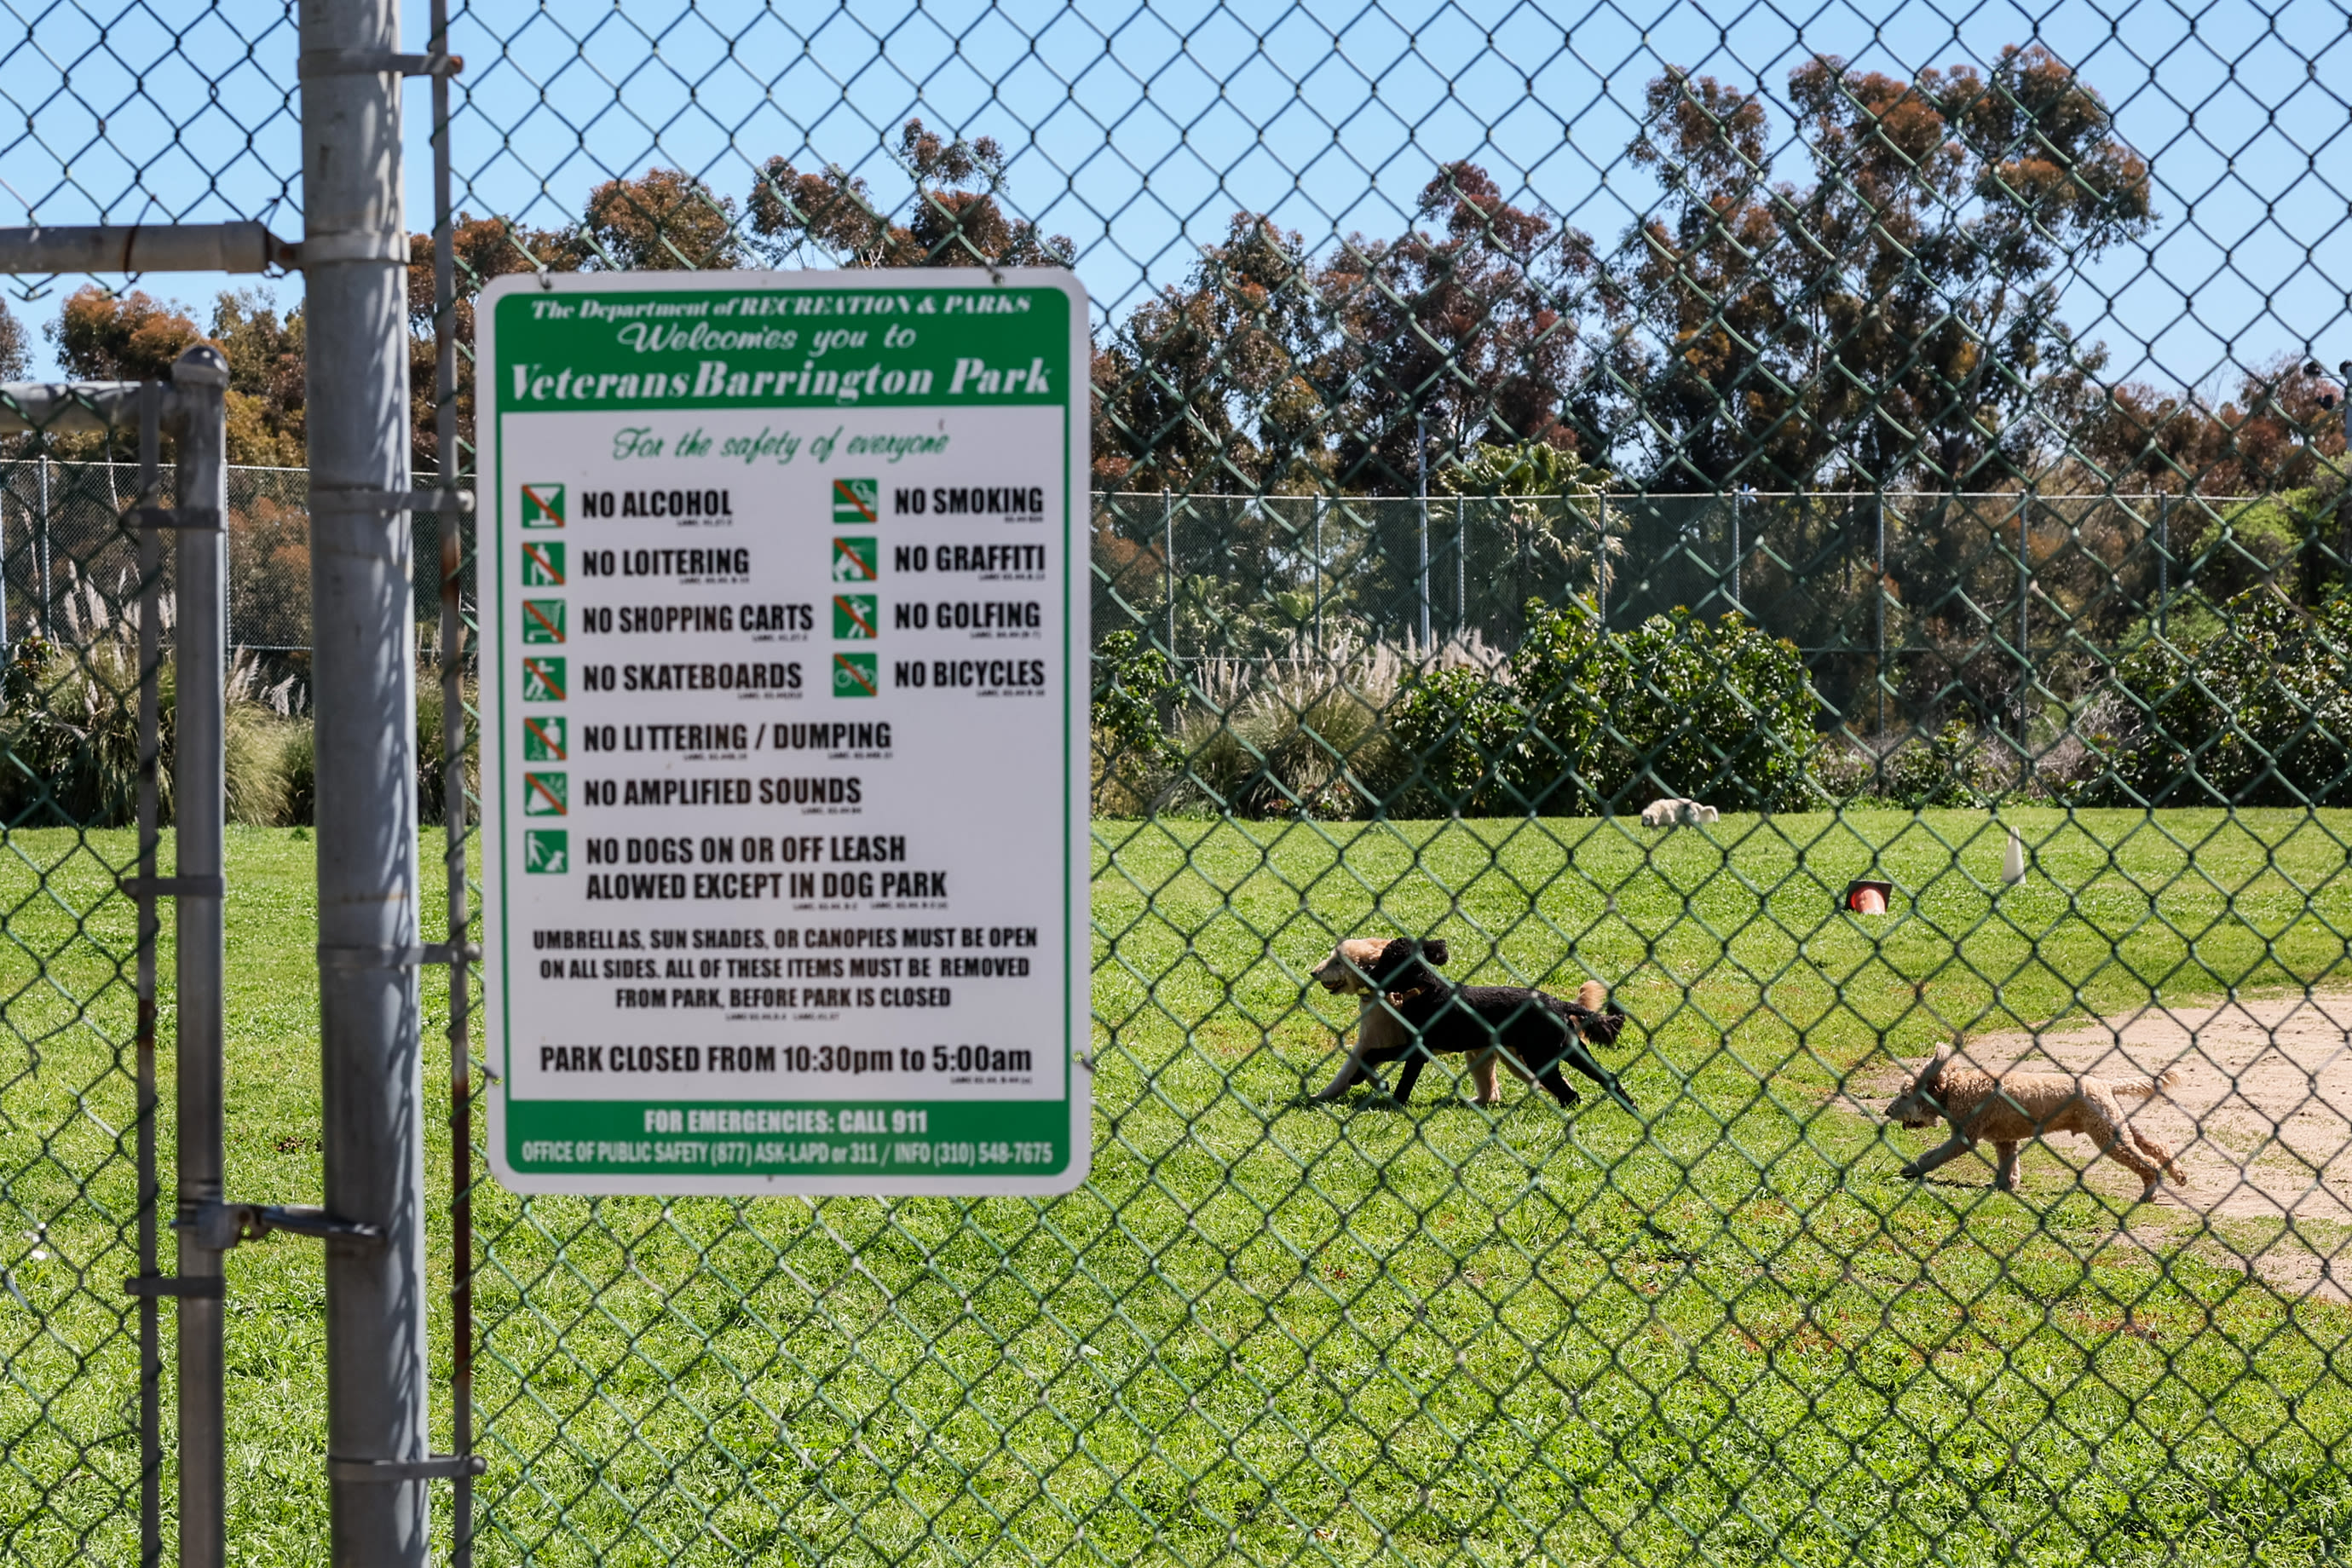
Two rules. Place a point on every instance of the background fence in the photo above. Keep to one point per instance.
(1977, 356)
(1884, 596)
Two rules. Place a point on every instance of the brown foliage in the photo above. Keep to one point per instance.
(1267, 369)
(665, 220)
(2282, 431)
(1475, 330)
(104, 336)
(1207, 386)
(269, 593)
(15, 356)
(267, 380)
(485, 249)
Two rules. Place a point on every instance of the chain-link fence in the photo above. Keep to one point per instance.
(1454, 383)
(1842, 576)
(89, 777)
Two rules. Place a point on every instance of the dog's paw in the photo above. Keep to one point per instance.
(1910, 1173)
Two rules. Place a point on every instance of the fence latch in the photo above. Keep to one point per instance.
(218, 1226)
(184, 519)
(376, 62)
(210, 1287)
(171, 887)
(433, 1468)
(326, 498)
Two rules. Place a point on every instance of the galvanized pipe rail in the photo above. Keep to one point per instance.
(141, 247)
(200, 804)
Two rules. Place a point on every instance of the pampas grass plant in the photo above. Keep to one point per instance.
(261, 724)
(69, 734)
(1301, 734)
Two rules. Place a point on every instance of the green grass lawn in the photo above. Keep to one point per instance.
(1269, 1329)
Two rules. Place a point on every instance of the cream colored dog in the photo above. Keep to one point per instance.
(2015, 1106)
(1379, 1028)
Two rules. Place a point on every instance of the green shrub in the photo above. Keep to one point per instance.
(1452, 735)
(258, 725)
(2256, 714)
(1714, 710)
(70, 731)
(252, 750)
(1134, 753)
(1953, 767)
(1717, 711)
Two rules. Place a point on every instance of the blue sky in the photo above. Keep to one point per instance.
(1138, 131)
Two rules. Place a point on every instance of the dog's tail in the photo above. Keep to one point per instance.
(1593, 1016)
(2142, 1088)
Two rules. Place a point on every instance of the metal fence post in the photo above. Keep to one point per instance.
(2163, 559)
(354, 249)
(1879, 600)
(2344, 490)
(2024, 630)
(1318, 574)
(150, 645)
(199, 801)
(453, 813)
(1601, 562)
(1461, 570)
(1519, 536)
(46, 630)
(1735, 549)
(1421, 489)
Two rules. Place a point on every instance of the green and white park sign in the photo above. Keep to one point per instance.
(784, 654)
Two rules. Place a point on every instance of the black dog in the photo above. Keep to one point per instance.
(1536, 1033)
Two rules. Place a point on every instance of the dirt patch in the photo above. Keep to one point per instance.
(2259, 1117)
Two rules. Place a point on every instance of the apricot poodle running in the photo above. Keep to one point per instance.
(2015, 1106)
